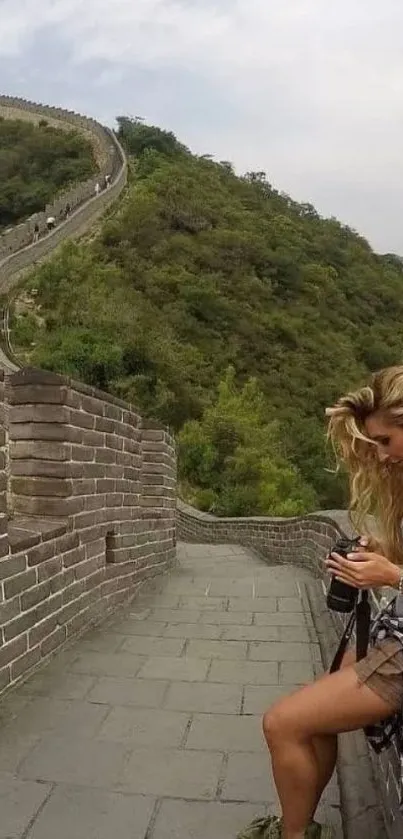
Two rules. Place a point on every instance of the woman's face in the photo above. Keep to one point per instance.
(388, 438)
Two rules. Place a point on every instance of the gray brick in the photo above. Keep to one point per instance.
(172, 772)
(249, 777)
(83, 762)
(244, 672)
(226, 733)
(279, 651)
(204, 698)
(19, 802)
(195, 820)
(13, 565)
(296, 673)
(137, 692)
(177, 669)
(217, 649)
(258, 699)
(153, 646)
(96, 814)
(107, 664)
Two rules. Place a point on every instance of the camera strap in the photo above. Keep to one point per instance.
(361, 617)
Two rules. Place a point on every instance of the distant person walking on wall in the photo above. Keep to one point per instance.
(50, 223)
(64, 212)
(107, 181)
(97, 189)
(35, 235)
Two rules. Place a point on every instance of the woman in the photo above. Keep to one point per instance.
(366, 430)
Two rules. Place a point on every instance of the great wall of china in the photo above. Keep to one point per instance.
(88, 508)
(18, 252)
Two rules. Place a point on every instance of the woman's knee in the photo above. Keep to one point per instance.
(280, 721)
(276, 723)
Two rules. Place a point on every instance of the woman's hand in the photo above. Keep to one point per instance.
(363, 569)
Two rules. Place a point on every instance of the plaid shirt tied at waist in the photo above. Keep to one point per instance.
(388, 624)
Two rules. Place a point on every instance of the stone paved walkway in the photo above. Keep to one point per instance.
(149, 728)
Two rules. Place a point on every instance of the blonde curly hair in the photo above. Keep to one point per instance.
(376, 488)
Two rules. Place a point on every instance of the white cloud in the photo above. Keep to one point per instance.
(318, 87)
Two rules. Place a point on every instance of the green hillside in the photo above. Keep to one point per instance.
(229, 312)
(37, 162)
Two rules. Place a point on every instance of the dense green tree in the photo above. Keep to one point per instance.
(232, 461)
(36, 162)
(195, 270)
(138, 137)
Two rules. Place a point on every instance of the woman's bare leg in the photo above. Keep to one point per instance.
(325, 746)
(333, 704)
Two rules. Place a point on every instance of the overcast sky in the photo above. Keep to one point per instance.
(311, 91)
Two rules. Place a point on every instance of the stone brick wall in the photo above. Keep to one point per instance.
(300, 541)
(303, 541)
(91, 512)
(16, 248)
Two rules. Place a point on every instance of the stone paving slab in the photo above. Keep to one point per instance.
(86, 762)
(112, 691)
(177, 773)
(202, 821)
(249, 776)
(245, 672)
(226, 733)
(150, 727)
(19, 802)
(204, 698)
(71, 813)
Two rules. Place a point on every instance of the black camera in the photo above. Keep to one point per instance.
(342, 597)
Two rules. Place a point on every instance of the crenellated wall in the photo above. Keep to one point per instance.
(17, 250)
(87, 512)
(299, 541)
